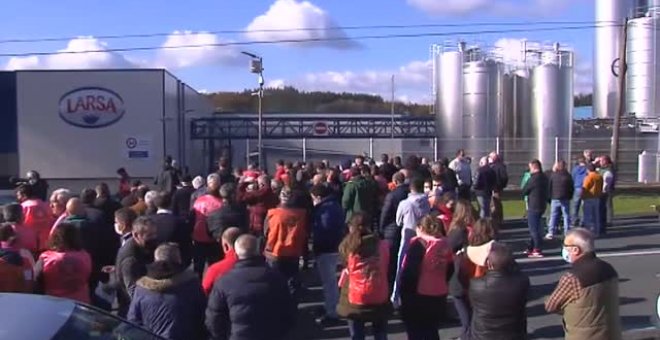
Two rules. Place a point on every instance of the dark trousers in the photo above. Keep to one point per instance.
(464, 192)
(203, 254)
(535, 228)
(356, 328)
(289, 268)
(592, 219)
(392, 234)
(606, 212)
(464, 311)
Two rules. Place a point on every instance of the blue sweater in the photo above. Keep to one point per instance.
(579, 174)
(328, 226)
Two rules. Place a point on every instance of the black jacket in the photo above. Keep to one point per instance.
(172, 228)
(388, 170)
(108, 206)
(449, 180)
(388, 213)
(251, 302)
(131, 265)
(499, 302)
(501, 176)
(561, 185)
(484, 182)
(536, 190)
(167, 180)
(181, 201)
(232, 214)
(458, 240)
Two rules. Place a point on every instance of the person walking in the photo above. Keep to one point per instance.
(561, 192)
(536, 190)
(588, 294)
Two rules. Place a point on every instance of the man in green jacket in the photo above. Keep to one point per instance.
(588, 294)
(360, 194)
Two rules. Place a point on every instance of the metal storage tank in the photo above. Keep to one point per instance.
(522, 104)
(449, 100)
(647, 167)
(552, 105)
(641, 88)
(607, 43)
(483, 104)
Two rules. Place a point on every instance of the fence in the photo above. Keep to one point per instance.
(515, 152)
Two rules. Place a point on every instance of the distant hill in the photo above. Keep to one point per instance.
(292, 100)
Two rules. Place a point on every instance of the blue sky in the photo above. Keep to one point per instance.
(359, 65)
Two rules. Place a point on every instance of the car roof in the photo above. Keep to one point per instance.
(28, 316)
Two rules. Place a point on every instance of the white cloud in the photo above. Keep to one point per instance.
(500, 7)
(284, 19)
(412, 82)
(68, 60)
(206, 54)
(276, 84)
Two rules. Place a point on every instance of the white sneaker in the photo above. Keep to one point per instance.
(548, 236)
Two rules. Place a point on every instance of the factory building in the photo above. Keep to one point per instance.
(83, 125)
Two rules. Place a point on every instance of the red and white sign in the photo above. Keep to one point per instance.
(91, 107)
(321, 129)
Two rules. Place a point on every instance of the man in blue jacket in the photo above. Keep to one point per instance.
(579, 174)
(328, 229)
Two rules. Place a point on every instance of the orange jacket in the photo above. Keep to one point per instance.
(286, 233)
(592, 187)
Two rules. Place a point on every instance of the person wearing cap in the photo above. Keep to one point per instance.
(498, 298)
(181, 200)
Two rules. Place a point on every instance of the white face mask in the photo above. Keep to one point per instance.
(565, 255)
(118, 229)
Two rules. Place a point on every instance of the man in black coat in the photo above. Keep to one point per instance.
(536, 190)
(181, 199)
(231, 214)
(172, 228)
(484, 184)
(252, 301)
(561, 193)
(389, 230)
(499, 299)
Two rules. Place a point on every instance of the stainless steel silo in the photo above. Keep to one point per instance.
(609, 14)
(449, 101)
(482, 102)
(552, 105)
(522, 104)
(642, 97)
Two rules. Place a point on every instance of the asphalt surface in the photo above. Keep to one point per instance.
(632, 246)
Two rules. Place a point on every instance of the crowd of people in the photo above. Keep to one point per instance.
(220, 257)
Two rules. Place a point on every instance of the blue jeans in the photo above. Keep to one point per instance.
(356, 328)
(592, 219)
(535, 228)
(484, 206)
(464, 311)
(557, 206)
(327, 267)
(575, 206)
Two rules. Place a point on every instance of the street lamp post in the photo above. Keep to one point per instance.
(256, 67)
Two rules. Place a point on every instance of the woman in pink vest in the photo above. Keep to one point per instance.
(64, 269)
(364, 286)
(206, 250)
(424, 280)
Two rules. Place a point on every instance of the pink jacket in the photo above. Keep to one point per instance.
(66, 274)
(433, 272)
(37, 216)
(202, 207)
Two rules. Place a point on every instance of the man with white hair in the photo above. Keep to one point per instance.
(484, 183)
(169, 300)
(58, 200)
(149, 199)
(251, 301)
(588, 294)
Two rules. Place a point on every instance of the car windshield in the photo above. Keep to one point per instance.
(87, 323)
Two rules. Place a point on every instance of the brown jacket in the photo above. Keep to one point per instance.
(595, 313)
(592, 187)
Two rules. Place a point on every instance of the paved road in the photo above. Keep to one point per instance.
(632, 246)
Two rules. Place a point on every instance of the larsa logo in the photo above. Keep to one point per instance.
(91, 107)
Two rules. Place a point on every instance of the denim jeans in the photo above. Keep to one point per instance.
(484, 206)
(535, 228)
(556, 207)
(327, 267)
(356, 328)
(592, 219)
(406, 236)
(575, 206)
(464, 311)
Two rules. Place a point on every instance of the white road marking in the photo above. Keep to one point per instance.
(601, 255)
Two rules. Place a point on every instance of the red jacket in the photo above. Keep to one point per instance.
(258, 203)
(202, 208)
(66, 274)
(367, 277)
(37, 216)
(287, 232)
(218, 270)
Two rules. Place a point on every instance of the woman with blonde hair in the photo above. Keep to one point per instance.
(364, 285)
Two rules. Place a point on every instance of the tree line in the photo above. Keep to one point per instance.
(292, 100)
